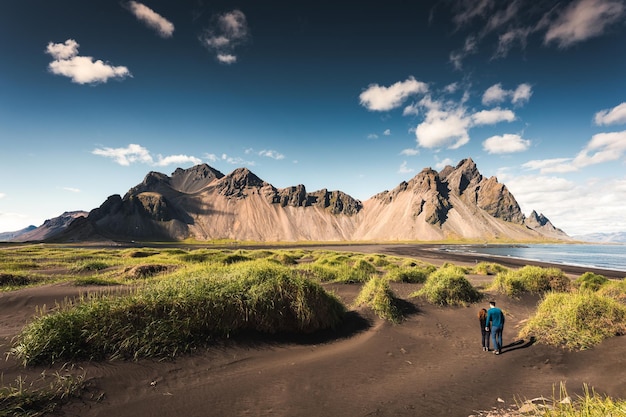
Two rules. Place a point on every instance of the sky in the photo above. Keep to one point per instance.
(350, 96)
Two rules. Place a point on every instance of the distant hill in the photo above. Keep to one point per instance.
(618, 237)
(49, 228)
(10, 236)
(201, 203)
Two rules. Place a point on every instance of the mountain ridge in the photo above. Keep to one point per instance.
(202, 203)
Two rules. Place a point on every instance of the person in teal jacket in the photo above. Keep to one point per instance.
(495, 317)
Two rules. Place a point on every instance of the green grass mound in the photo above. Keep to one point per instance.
(416, 275)
(377, 295)
(488, 268)
(448, 286)
(591, 281)
(614, 289)
(180, 313)
(576, 321)
(531, 279)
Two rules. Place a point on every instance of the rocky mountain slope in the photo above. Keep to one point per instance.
(202, 203)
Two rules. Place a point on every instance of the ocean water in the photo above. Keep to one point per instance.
(598, 256)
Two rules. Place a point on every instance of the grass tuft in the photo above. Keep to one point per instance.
(377, 294)
(192, 308)
(531, 279)
(448, 286)
(576, 321)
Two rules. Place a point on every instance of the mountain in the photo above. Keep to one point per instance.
(203, 204)
(50, 228)
(11, 236)
(617, 237)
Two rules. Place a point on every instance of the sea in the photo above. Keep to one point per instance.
(603, 256)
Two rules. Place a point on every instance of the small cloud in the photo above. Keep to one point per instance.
(443, 163)
(616, 115)
(229, 159)
(81, 69)
(387, 132)
(72, 190)
(134, 153)
(372, 136)
(505, 144)
(496, 94)
(404, 169)
(2, 195)
(603, 147)
(493, 116)
(272, 154)
(228, 31)
(163, 161)
(153, 20)
(410, 152)
(380, 98)
(583, 19)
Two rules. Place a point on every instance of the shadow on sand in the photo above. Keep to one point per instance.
(518, 344)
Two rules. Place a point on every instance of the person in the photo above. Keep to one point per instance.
(495, 322)
(484, 329)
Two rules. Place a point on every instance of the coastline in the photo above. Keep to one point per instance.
(432, 253)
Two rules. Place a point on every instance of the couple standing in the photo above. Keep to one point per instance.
(492, 321)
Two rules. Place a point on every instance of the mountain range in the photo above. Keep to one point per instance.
(202, 204)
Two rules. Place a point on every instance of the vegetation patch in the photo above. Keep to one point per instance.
(377, 295)
(38, 399)
(448, 286)
(192, 308)
(614, 289)
(591, 281)
(531, 279)
(415, 274)
(14, 280)
(488, 268)
(145, 271)
(576, 321)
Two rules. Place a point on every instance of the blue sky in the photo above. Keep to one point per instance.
(94, 95)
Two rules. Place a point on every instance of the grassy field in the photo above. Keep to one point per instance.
(165, 302)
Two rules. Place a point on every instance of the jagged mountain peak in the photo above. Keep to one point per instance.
(202, 203)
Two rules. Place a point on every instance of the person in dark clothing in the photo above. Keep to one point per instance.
(484, 329)
(495, 322)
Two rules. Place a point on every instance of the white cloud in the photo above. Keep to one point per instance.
(410, 152)
(554, 165)
(496, 94)
(372, 136)
(228, 31)
(404, 169)
(387, 132)
(616, 115)
(81, 69)
(227, 58)
(506, 143)
(522, 94)
(164, 27)
(380, 98)
(583, 19)
(2, 195)
(272, 154)
(134, 153)
(71, 189)
(64, 50)
(493, 116)
(576, 207)
(469, 47)
(447, 123)
(443, 163)
(444, 129)
(164, 161)
(603, 147)
(232, 160)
